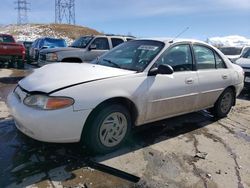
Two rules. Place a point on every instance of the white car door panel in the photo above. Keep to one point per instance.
(171, 94)
(213, 76)
(211, 84)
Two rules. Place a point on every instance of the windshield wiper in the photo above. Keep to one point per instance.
(112, 63)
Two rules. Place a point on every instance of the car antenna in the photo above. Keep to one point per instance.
(171, 41)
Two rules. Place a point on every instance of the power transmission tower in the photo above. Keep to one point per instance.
(65, 11)
(22, 9)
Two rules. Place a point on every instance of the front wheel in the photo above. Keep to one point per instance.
(108, 129)
(224, 104)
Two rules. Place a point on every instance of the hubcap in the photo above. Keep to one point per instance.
(226, 102)
(113, 129)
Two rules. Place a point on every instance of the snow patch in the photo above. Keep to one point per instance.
(32, 32)
(232, 41)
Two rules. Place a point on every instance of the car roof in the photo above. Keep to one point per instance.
(45, 38)
(108, 35)
(171, 40)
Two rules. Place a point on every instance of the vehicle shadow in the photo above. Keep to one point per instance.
(245, 94)
(22, 157)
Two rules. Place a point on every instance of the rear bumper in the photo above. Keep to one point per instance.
(11, 57)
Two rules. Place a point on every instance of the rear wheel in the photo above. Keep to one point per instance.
(224, 104)
(108, 129)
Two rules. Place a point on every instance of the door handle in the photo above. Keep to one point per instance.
(189, 81)
(224, 76)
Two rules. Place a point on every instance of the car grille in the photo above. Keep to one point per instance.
(247, 74)
(42, 57)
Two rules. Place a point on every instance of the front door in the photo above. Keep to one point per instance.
(169, 95)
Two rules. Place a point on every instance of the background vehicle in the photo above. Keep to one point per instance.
(244, 62)
(234, 53)
(27, 45)
(138, 82)
(43, 43)
(84, 49)
(11, 53)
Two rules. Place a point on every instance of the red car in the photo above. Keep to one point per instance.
(11, 53)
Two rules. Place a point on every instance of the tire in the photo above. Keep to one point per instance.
(20, 64)
(224, 104)
(11, 64)
(107, 129)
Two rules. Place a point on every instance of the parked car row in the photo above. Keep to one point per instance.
(84, 49)
(48, 50)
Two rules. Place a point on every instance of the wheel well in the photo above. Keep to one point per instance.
(234, 90)
(117, 100)
(72, 59)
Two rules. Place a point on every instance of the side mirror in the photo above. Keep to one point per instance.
(92, 47)
(162, 69)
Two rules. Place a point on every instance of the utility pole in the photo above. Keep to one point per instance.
(65, 11)
(22, 9)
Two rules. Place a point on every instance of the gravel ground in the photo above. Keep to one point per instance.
(194, 150)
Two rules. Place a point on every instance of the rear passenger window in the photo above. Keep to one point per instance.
(219, 62)
(116, 41)
(204, 58)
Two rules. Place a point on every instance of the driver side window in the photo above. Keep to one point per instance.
(179, 57)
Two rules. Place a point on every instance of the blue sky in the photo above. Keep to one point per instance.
(146, 18)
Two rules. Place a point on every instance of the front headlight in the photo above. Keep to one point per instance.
(48, 103)
(51, 57)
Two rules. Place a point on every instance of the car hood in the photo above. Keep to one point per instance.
(57, 76)
(51, 50)
(243, 62)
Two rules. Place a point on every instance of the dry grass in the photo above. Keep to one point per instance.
(71, 31)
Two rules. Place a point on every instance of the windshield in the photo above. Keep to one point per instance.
(81, 42)
(6, 38)
(55, 43)
(231, 51)
(132, 55)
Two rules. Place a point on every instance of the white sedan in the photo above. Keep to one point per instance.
(138, 82)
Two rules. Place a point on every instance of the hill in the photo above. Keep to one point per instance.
(30, 32)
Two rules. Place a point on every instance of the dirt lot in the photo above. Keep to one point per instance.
(193, 150)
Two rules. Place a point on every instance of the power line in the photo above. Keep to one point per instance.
(22, 9)
(65, 11)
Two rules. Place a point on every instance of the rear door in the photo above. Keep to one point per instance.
(213, 75)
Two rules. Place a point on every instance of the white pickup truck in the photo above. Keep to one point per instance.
(83, 49)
